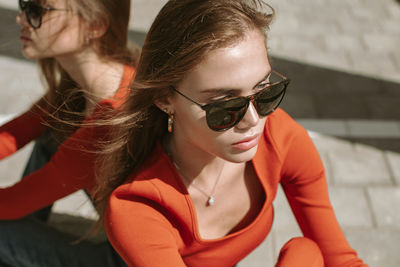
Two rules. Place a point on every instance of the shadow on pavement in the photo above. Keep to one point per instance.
(321, 93)
(314, 92)
(9, 34)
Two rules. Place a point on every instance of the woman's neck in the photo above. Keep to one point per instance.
(99, 79)
(199, 165)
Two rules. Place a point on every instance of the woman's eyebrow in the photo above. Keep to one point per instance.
(231, 90)
(220, 91)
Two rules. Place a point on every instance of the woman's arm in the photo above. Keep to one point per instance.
(305, 186)
(20, 131)
(139, 232)
(71, 168)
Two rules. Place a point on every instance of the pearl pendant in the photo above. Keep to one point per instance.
(211, 201)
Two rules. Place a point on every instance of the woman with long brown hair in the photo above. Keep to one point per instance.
(82, 50)
(201, 147)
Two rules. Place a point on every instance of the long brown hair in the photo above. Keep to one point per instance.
(64, 101)
(183, 33)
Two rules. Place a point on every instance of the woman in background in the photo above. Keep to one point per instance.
(202, 146)
(82, 50)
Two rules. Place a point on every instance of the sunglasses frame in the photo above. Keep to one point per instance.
(250, 98)
(23, 6)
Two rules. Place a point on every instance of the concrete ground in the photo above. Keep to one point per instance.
(344, 63)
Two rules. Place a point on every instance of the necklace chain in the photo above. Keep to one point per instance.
(210, 197)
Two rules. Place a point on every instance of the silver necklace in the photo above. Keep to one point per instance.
(210, 197)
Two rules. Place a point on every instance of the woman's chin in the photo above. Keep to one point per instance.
(242, 156)
(29, 54)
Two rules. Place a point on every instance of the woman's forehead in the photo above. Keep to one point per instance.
(239, 66)
(55, 2)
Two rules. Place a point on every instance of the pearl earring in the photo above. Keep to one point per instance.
(170, 122)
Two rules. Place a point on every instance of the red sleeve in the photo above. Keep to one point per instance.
(20, 131)
(140, 233)
(305, 187)
(70, 169)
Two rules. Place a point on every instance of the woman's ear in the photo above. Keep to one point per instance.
(95, 30)
(98, 30)
(165, 105)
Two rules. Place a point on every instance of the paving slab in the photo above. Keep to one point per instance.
(12, 167)
(327, 126)
(346, 41)
(383, 43)
(143, 13)
(281, 237)
(327, 166)
(384, 107)
(394, 165)
(385, 204)
(329, 144)
(359, 168)
(337, 106)
(262, 256)
(283, 216)
(21, 85)
(383, 144)
(338, 60)
(378, 248)
(362, 27)
(77, 204)
(360, 128)
(300, 104)
(351, 128)
(351, 207)
(11, 4)
(387, 67)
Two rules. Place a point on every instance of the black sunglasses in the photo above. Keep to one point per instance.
(223, 115)
(34, 12)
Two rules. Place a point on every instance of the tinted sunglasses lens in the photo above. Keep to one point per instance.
(33, 12)
(22, 4)
(224, 115)
(268, 100)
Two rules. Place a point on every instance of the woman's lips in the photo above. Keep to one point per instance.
(247, 143)
(24, 38)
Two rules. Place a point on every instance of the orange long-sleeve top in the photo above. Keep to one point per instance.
(151, 219)
(70, 169)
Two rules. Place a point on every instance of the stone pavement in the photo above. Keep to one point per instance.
(344, 63)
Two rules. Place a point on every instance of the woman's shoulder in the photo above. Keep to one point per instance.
(281, 119)
(281, 127)
(122, 92)
(280, 133)
(127, 77)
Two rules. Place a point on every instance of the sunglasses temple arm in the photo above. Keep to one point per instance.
(280, 75)
(188, 98)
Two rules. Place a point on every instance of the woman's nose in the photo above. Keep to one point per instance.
(250, 118)
(21, 19)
